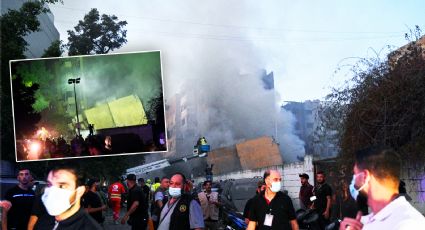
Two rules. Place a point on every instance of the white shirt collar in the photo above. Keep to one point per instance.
(387, 211)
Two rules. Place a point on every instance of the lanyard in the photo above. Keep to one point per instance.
(171, 207)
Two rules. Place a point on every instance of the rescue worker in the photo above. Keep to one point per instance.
(115, 191)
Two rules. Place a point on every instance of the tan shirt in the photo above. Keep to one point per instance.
(209, 210)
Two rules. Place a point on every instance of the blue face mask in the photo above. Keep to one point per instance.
(175, 192)
(353, 191)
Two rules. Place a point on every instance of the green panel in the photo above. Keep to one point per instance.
(128, 111)
(100, 116)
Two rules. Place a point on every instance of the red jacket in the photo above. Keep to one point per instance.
(115, 190)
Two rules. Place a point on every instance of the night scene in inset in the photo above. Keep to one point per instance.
(88, 106)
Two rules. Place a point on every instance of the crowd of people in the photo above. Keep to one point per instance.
(171, 203)
(78, 146)
(48, 148)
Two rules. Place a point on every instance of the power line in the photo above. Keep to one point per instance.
(279, 38)
(236, 26)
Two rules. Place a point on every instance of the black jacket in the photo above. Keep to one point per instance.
(180, 216)
(80, 220)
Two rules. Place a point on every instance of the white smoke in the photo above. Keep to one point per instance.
(220, 76)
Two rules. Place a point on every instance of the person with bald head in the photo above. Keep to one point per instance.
(272, 209)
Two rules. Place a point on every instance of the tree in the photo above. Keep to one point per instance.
(383, 104)
(96, 34)
(14, 26)
(29, 94)
(54, 50)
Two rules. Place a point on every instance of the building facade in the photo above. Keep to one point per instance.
(307, 123)
(37, 41)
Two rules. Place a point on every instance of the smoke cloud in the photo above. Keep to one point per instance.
(220, 78)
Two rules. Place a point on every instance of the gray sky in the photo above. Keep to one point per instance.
(302, 42)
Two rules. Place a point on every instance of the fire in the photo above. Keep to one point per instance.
(33, 149)
(42, 134)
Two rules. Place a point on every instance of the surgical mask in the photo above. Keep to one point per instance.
(175, 192)
(353, 191)
(276, 186)
(56, 200)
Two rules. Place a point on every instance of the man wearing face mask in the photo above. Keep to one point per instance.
(92, 202)
(377, 176)
(181, 212)
(272, 209)
(62, 197)
(137, 208)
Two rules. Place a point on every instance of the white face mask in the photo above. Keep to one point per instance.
(175, 192)
(353, 191)
(276, 186)
(56, 200)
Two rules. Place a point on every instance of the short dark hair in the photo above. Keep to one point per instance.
(266, 174)
(156, 179)
(23, 168)
(141, 180)
(91, 182)
(164, 177)
(131, 177)
(73, 169)
(206, 182)
(381, 161)
(320, 172)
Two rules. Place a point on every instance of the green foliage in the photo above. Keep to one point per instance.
(41, 103)
(14, 25)
(54, 50)
(36, 72)
(97, 34)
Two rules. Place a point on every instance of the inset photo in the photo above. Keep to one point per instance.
(84, 106)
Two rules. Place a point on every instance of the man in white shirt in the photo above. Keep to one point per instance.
(377, 175)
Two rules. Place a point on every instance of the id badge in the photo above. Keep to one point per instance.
(268, 221)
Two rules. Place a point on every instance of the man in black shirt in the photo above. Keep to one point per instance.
(160, 197)
(323, 193)
(306, 191)
(62, 200)
(40, 219)
(260, 188)
(137, 211)
(92, 202)
(272, 209)
(22, 198)
(146, 190)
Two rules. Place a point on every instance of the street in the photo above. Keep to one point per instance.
(109, 222)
